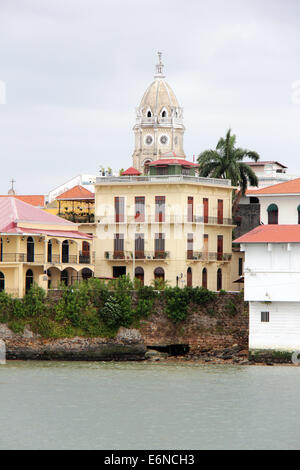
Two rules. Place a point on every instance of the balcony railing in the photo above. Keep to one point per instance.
(22, 258)
(129, 255)
(208, 256)
(40, 258)
(164, 218)
(162, 179)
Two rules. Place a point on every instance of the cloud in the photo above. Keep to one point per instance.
(76, 70)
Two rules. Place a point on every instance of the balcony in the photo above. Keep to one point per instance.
(207, 256)
(143, 255)
(165, 219)
(212, 220)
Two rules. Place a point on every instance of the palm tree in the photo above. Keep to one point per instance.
(226, 161)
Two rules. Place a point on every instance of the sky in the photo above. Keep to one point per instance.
(74, 71)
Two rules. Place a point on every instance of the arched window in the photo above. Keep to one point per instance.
(298, 209)
(49, 251)
(272, 214)
(159, 273)
(30, 250)
(219, 279)
(64, 277)
(164, 113)
(2, 281)
(149, 114)
(189, 277)
(204, 278)
(86, 273)
(29, 280)
(85, 253)
(139, 274)
(65, 251)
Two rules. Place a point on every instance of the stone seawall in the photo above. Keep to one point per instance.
(219, 330)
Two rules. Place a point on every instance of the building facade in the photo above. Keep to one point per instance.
(38, 247)
(175, 227)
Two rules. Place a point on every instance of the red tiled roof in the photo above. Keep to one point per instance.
(76, 193)
(35, 200)
(131, 171)
(288, 187)
(272, 234)
(173, 161)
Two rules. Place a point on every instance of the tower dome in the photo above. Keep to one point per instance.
(159, 125)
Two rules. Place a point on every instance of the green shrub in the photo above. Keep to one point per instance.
(231, 308)
(17, 326)
(34, 301)
(176, 303)
(6, 306)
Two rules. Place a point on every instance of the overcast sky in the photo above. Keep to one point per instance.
(76, 69)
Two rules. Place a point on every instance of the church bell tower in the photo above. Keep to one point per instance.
(159, 125)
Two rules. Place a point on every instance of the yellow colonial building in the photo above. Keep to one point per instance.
(159, 219)
(176, 227)
(36, 246)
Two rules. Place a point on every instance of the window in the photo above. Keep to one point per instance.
(190, 243)
(119, 209)
(64, 277)
(140, 209)
(162, 170)
(119, 246)
(205, 210)
(65, 251)
(204, 278)
(159, 247)
(49, 258)
(265, 316)
(219, 279)
(164, 114)
(160, 202)
(190, 209)
(139, 246)
(220, 211)
(272, 214)
(149, 114)
(240, 266)
(30, 250)
(159, 273)
(220, 248)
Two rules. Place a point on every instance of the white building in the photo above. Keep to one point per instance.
(84, 180)
(270, 172)
(280, 203)
(272, 270)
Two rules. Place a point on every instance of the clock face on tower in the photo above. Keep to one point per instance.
(149, 140)
(163, 139)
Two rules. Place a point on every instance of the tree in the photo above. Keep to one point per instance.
(226, 161)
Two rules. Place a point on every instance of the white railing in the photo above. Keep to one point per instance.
(162, 179)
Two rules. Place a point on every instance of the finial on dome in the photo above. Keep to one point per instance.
(159, 67)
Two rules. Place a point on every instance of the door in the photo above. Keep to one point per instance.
(139, 274)
(29, 280)
(220, 211)
(205, 210)
(189, 277)
(190, 211)
(220, 248)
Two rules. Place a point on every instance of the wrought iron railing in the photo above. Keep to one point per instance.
(208, 256)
